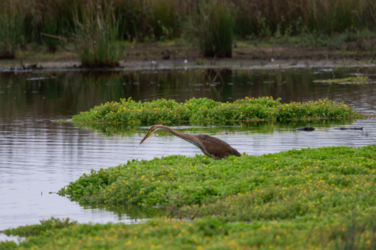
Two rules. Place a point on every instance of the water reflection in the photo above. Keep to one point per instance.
(39, 156)
(65, 94)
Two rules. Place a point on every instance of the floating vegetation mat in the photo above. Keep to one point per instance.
(299, 199)
(203, 109)
(357, 232)
(305, 184)
(348, 80)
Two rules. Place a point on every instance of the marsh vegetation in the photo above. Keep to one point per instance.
(312, 198)
(204, 110)
(302, 199)
(210, 25)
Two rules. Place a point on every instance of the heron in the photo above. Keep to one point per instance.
(210, 146)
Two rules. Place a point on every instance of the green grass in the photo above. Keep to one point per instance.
(203, 109)
(209, 233)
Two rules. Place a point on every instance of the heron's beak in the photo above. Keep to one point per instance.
(146, 136)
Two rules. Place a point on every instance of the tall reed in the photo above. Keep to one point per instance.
(149, 19)
(97, 35)
(211, 26)
(288, 17)
(11, 28)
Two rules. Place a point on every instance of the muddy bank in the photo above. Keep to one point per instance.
(171, 56)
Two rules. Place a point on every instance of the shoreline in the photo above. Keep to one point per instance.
(149, 56)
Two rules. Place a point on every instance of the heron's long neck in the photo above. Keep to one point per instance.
(187, 137)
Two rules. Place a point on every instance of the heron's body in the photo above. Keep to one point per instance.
(210, 146)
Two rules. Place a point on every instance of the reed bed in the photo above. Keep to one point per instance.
(97, 33)
(211, 27)
(12, 28)
(203, 109)
(52, 22)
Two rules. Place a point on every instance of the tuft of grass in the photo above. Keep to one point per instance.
(203, 109)
(211, 26)
(97, 33)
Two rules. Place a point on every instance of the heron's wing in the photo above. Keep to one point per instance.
(216, 146)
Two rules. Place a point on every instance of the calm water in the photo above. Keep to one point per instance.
(39, 156)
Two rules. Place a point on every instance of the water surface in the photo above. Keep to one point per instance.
(39, 156)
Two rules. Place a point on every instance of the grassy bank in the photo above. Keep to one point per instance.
(203, 109)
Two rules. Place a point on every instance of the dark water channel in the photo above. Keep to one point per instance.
(39, 156)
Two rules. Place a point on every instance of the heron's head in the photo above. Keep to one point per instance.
(151, 130)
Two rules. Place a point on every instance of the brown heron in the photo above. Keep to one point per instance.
(211, 146)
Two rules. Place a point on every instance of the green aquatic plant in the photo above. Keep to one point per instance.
(352, 232)
(348, 80)
(203, 109)
(305, 184)
(44, 226)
